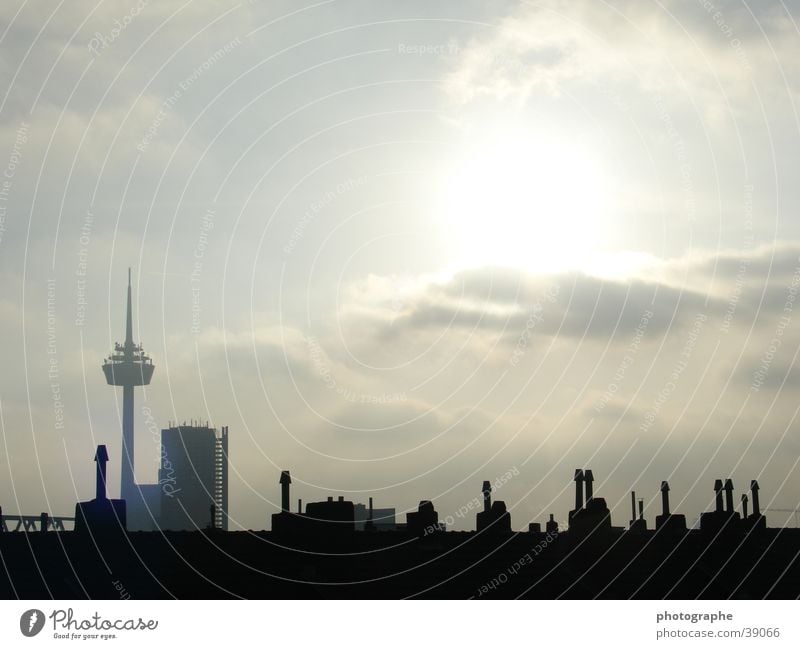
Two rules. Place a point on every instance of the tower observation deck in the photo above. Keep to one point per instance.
(128, 367)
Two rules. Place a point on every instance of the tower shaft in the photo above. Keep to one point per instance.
(127, 481)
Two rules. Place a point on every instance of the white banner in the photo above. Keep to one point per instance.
(398, 624)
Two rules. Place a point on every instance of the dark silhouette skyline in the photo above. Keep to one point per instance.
(188, 510)
(590, 558)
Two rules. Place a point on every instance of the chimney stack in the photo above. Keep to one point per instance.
(633, 506)
(729, 496)
(552, 525)
(718, 494)
(641, 509)
(744, 506)
(578, 489)
(487, 495)
(285, 481)
(101, 457)
(754, 491)
(665, 498)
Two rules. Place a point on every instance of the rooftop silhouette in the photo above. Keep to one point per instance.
(338, 548)
(319, 552)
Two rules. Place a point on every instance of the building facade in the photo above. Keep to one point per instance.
(193, 478)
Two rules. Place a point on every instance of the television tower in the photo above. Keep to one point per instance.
(128, 366)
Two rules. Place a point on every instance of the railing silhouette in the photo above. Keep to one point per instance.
(41, 523)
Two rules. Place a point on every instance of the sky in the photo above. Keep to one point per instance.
(401, 248)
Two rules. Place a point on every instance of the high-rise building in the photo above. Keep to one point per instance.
(193, 478)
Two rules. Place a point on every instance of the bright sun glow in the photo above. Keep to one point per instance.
(533, 202)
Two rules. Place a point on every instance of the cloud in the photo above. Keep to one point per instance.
(547, 46)
(361, 348)
(572, 305)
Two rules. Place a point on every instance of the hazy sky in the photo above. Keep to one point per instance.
(400, 248)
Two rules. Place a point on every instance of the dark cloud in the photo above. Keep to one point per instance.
(572, 305)
(756, 265)
(749, 287)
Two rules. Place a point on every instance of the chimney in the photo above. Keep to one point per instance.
(299, 505)
(589, 479)
(633, 506)
(754, 491)
(285, 481)
(330, 499)
(370, 508)
(487, 495)
(101, 457)
(744, 506)
(729, 496)
(551, 526)
(665, 498)
(641, 509)
(578, 489)
(718, 494)
(341, 499)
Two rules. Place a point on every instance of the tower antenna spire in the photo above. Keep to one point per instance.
(129, 318)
